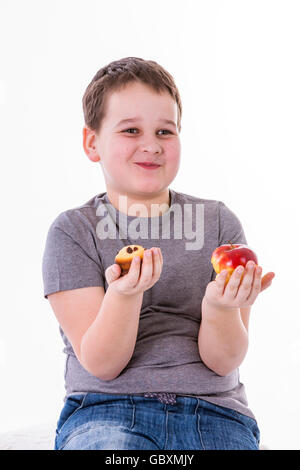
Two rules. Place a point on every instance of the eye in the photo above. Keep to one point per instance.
(166, 130)
(134, 129)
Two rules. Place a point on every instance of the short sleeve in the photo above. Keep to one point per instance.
(70, 259)
(230, 228)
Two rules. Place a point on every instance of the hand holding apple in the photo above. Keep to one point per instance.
(231, 256)
(239, 278)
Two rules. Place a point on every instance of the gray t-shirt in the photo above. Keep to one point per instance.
(82, 242)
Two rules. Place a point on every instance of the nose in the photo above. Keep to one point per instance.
(151, 148)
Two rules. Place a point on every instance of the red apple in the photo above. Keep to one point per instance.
(231, 256)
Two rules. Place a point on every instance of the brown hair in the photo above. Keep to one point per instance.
(114, 77)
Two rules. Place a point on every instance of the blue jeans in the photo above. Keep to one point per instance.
(94, 421)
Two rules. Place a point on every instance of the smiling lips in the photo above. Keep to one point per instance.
(148, 166)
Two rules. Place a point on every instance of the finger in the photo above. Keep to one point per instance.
(147, 267)
(234, 282)
(265, 286)
(161, 256)
(246, 282)
(266, 280)
(112, 273)
(134, 271)
(221, 280)
(256, 286)
(157, 263)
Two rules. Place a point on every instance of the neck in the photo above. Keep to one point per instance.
(140, 206)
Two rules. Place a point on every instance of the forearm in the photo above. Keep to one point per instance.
(222, 339)
(108, 344)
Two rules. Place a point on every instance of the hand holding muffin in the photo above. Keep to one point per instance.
(135, 270)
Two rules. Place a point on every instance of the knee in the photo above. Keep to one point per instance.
(101, 437)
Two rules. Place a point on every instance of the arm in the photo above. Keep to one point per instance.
(222, 339)
(102, 327)
(108, 344)
(223, 333)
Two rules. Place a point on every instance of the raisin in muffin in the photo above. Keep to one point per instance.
(126, 255)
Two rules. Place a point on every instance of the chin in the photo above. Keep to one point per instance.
(147, 188)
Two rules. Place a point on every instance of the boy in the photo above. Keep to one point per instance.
(152, 356)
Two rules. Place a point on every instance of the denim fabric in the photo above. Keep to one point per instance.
(94, 421)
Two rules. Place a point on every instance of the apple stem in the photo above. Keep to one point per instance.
(232, 246)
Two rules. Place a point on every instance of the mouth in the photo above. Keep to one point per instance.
(148, 166)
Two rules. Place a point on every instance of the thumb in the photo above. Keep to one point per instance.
(112, 273)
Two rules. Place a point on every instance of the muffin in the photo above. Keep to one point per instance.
(126, 255)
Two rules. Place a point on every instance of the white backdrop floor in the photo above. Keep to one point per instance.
(40, 437)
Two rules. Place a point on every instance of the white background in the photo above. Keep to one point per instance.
(236, 64)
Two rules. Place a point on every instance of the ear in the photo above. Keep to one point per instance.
(89, 144)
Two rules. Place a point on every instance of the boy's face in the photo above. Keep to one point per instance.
(149, 139)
